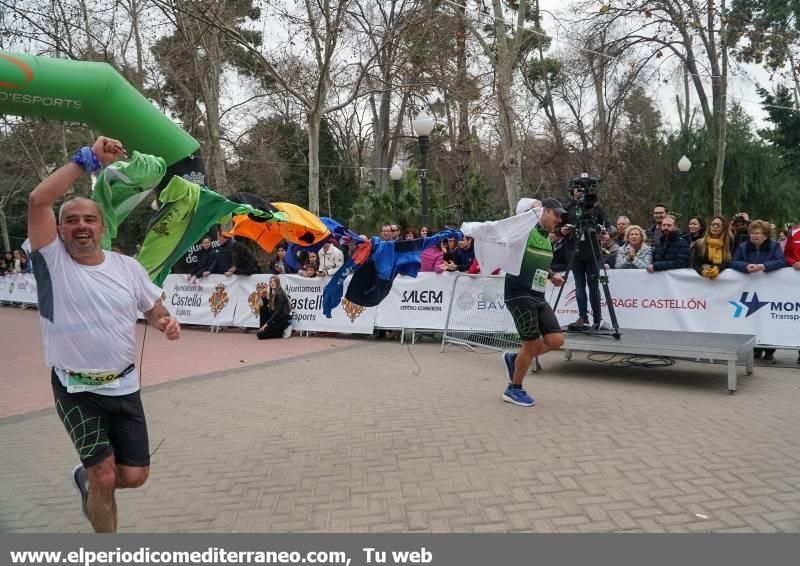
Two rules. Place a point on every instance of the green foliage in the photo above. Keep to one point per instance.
(754, 180)
(373, 209)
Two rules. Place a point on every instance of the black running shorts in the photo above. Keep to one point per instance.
(532, 316)
(102, 425)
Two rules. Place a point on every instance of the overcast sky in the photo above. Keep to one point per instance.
(742, 78)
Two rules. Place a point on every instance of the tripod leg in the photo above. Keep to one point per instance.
(606, 290)
(570, 265)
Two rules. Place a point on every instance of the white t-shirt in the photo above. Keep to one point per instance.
(89, 313)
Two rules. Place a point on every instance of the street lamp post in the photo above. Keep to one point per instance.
(423, 125)
(683, 166)
(396, 173)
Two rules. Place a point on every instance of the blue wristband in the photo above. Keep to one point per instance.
(86, 160)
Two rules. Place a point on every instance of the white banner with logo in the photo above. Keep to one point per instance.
(420, 302)
(211, 301)
(18, 288)
(764, 304)
(305, 296)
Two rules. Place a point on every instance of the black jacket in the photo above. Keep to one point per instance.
(584, 247)
(245, 261)
(204, 258)
(222, 258)
(672, 252)
(280, 314)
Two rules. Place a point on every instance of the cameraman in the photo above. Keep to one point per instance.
(585, 267)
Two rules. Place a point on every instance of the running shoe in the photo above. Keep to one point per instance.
(81, 485)
(518, 397)
(510, 360)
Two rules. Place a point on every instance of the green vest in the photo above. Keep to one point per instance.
(538, 255)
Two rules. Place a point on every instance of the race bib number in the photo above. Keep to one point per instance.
(539, 280)
(88, 380)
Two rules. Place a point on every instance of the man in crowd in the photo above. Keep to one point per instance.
(222, 256)
(622, 224)
(608, 248)
(654, 231)
(672, 251)
(395, 232)
(89, 301)
(740, 226)
(386, 232)
(792, 254)
(536, 323)
(464, 256)
(331, 259)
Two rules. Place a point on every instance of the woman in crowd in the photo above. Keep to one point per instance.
(759, 253)
(450, 248)
(756, 255)
(696, 230)
(204, 255)
(424, 232)
(635, 254)
(275, 312)
(712, 254)
(431, 258)
(410, 234)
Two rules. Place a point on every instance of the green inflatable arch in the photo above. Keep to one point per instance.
(97, 95)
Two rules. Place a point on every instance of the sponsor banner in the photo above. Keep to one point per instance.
(478, 304)
(764, 304)
(18, 288)
(420, 302)
(305, 296)
(210, 301)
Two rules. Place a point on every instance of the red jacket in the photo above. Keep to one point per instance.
(792, 249)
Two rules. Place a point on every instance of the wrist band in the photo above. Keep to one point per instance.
(86, 160)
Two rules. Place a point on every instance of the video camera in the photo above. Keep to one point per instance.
(586, 186)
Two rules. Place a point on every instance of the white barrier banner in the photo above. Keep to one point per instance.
(764, 304)
(18, 288)
(210, 301)
(420, 302)
(306, 298)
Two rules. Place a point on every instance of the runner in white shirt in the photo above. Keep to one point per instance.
(89, 300)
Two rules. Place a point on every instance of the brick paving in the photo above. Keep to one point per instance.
(356, 440)
(25, 387)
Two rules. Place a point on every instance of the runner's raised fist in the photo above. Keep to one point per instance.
(108, 150)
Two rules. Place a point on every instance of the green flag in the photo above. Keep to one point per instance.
(122, 186)
(187, 213)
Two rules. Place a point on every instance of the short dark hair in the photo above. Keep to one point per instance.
(660, 204)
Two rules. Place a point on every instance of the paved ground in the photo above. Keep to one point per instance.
(25, 386)
(356, 439)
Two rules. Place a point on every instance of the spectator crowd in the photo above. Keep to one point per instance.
(709, 247)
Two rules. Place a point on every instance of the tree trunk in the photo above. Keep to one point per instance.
(4, 229)
(511, 160)
(722, 112)
(314, 120)
(463, 143)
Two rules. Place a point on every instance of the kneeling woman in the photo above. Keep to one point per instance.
(275, 312)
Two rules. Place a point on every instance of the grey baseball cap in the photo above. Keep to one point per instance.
(550, 202)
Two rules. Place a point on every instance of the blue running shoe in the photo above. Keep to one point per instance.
(518, 397)
(510, 360)
(81, 485)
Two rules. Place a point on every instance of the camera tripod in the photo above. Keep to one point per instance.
(585, 230)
